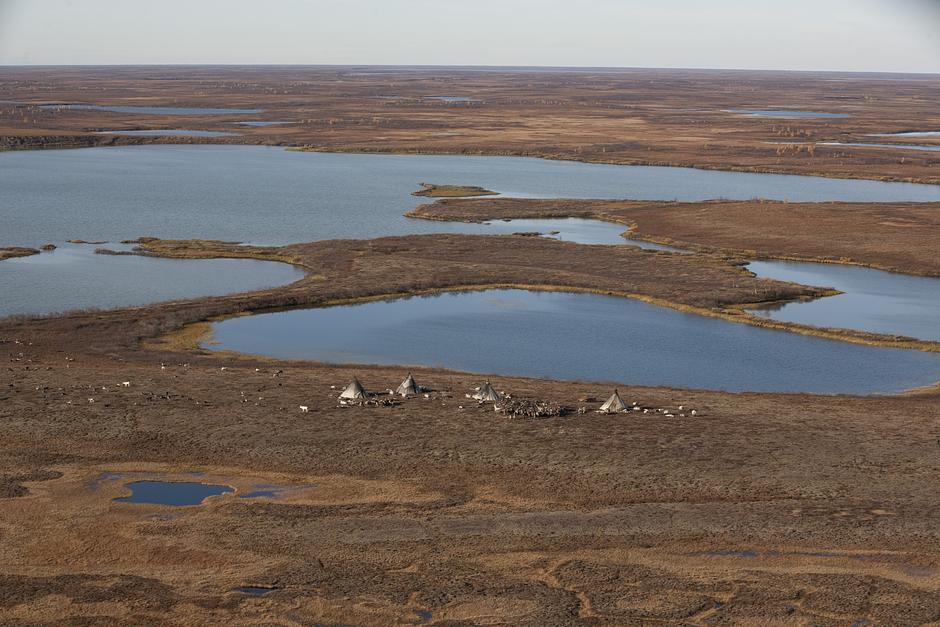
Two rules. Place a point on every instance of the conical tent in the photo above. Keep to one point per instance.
(614, 404)
(487, 393)
(408, 387)
(354, 390)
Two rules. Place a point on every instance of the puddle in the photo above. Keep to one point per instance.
(424, 615)
(255, 591)
(748, 554)
(176, 493)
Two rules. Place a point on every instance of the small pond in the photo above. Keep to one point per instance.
(150, 110)
(451, 98)
(784, 113)
(892, 146)
(909, 134)
(263, 122)
(176, 493)
(169, 132)
(576, 336)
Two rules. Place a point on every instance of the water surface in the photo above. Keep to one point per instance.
(909, 134)
(783, 113)
(451, 98)
(74, 277)
(895, 146)
(176, 493)
(273, 196)
(263, 122)
(151, 110)
(169, 132)
(576, 336)
(874, 301)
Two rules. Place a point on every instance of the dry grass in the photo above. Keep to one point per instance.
(431, 190)
(899, 237)
(16, 251)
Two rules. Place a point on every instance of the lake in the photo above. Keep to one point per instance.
(875, 301)
(74, 277)
(269, 195)
(576, 336)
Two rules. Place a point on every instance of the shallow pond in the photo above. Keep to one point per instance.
(176, 493)
(273, 196)
(576, 336)
(263, 122)
(74, 277)
(151, 110)
(783, 113)
(875, 301)
(451, 98)
(170, 132)
(894, 146)
(909, 134)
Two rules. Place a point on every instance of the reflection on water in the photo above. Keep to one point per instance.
(576, 336)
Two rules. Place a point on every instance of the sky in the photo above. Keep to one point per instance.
(849, 35)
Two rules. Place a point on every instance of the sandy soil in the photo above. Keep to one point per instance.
(632, 116)
(896, 237)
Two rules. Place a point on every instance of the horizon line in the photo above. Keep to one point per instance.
(462, 67)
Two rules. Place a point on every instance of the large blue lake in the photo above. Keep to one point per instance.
(274, 196)
(576, 336)
(269, 195)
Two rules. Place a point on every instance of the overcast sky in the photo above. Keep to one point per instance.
(860, 35)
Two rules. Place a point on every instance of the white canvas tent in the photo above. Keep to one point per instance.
(613, 404)
(408, 387)
(354, 390)
(487, 393)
